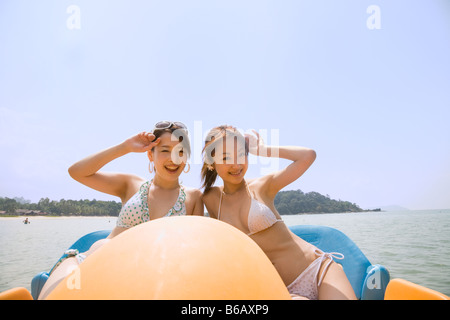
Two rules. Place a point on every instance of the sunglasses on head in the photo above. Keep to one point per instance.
(169, 124)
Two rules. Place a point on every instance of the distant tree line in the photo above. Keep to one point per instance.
(61, 207)
(286, 202)
(296, 201)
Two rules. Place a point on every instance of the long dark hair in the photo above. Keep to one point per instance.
(216, 134)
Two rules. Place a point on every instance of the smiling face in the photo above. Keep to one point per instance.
(231, 160)
(168, 157)
(225, 154)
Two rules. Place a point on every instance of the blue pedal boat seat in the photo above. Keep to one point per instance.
(368, 281)
(83, 244)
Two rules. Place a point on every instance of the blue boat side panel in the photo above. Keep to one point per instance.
(37, 283)
(375, 283)
(328, 239)
(83, 244)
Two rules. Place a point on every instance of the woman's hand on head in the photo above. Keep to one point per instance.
(255, 142)
(141, 142)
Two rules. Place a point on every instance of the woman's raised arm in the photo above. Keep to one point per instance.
(302, 158)
(86, 171)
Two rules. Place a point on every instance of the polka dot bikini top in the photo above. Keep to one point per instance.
(135, 210)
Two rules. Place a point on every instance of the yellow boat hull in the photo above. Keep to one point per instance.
(400, 289)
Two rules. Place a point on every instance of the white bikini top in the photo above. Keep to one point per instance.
(260, 216)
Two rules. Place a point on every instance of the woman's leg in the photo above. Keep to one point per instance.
(335, 285)
(66, 268)
(59, 274)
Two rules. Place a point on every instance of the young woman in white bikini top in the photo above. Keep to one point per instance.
(260, 217)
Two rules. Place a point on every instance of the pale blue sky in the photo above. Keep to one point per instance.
(374, 104)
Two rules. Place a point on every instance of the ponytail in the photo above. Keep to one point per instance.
(208, 177)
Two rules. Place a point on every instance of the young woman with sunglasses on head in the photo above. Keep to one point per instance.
(168, 150)
(249, 206)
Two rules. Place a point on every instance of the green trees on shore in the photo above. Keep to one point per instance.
(286, 202)
(61, 208)
(295, 202)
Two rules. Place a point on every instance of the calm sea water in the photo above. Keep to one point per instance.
(413, 245)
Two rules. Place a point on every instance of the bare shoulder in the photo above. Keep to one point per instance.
(132, 183)
(211, 201)
(212, 194)
(260, 182)
(193, 192)
(261, 186)
(133, 179)
(194, 202)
